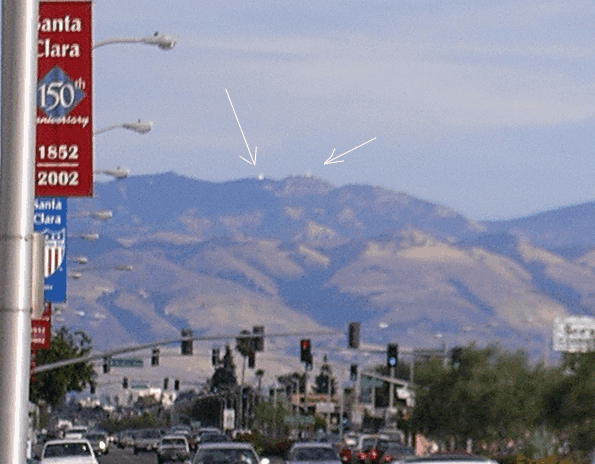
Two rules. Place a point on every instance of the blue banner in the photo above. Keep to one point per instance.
(50, 219)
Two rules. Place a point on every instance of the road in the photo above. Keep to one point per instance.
(126, 456)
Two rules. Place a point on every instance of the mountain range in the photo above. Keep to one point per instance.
(301, 254)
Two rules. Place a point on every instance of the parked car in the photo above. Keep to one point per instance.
(147, 440)
(99, 442)
(173, 448)
(68, 450)
(313, 452)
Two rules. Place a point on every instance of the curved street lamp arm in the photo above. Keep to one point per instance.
(113, 126)
(164, 42)
(117, 40)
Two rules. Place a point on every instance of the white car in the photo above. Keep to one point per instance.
(68, 451)
(446, 459)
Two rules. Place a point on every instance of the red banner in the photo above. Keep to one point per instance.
(41, 330)
(64, 155)
(40, 334)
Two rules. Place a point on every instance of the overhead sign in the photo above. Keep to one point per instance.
(64, 154)
(125, 362)
(49, 219)
(574, 334)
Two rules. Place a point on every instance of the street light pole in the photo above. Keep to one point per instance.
(19, 82)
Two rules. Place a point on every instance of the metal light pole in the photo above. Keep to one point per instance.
(17, 193)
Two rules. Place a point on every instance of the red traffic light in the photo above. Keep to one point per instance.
(305, 350)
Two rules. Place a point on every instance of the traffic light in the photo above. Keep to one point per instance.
(125, 383)
(165, 383)
(106, 365)
(176, 385)
(392, 355)
(155, 357)
(215, 357)
(353, 334)
(251, 360)
(353, 372)
(93, 388)
(258, 341)
(305, 350)
(187, 344)
(308, 364)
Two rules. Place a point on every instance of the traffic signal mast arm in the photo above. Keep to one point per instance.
(131, 349)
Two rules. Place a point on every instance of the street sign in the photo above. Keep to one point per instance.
(299, 420)
(64, 152)
(368, 382)
(574, 334)
(125, 362)
(229, 419)
(49, 219)
(325, 407)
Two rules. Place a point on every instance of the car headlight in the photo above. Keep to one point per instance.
(102, 445)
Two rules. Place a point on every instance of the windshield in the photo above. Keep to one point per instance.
(173, 442)
(150, 434)
(313, 454)
(66, 449)
(225, 456)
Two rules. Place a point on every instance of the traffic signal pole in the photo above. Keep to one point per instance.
(19, 81)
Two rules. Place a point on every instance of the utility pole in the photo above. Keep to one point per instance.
(17, 193)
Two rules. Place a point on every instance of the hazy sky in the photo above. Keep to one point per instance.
(486, 107)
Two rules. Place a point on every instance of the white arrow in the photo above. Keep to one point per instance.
(253, 159)
(332, 160)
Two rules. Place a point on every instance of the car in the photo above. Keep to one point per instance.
(211, 437)
(68, 450)
(448, 458)
(361, 450)
(147, 440)
(99, 442)
(173, 448)
(76, 431)
(313, 452)
(227, 453)
(385, 451)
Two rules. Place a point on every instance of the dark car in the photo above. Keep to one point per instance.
(147, 440)
(173, 448)
(99, 442)
(388, 451)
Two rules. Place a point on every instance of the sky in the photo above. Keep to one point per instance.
(484, 107)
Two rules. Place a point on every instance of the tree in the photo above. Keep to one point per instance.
(51, 386)
(224, 376)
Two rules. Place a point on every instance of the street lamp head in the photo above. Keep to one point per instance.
(90, 237)
(164, 42)
(140, 127)
(118, 173)
(102, 215)
(123, 267)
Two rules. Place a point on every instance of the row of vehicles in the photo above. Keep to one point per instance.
(373, 449)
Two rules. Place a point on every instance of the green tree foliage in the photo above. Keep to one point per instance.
(51, 386)
(488, 395)
(568, 402)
